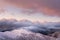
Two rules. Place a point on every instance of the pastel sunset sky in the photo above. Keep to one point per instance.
(33, 10)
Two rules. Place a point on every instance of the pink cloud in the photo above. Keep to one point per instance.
(49, 7)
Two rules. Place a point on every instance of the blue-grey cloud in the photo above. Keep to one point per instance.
(23, 35)
(13, 29)
(45, 28)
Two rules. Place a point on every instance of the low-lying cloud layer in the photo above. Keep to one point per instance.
(23, 29)
(23, 35)
(49, 7)
(45, 28)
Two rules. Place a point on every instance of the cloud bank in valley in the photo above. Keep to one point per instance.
(25, 35)
(13, 29)
(49, 7)
(9, 25)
